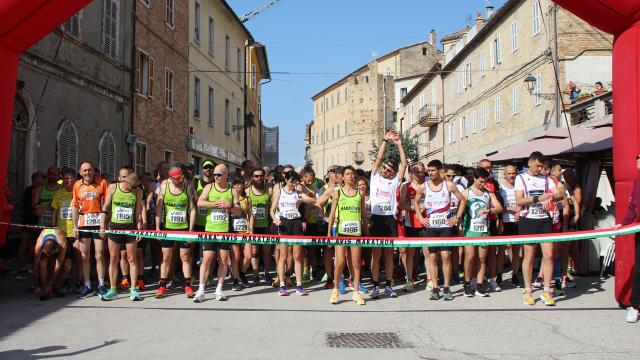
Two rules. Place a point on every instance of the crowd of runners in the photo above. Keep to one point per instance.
(396, 199)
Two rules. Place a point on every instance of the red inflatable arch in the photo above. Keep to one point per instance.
(22, 23)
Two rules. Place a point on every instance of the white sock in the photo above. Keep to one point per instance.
(282, 284)
(299, 283)
(219, 288)
(87, 284)
(201, 288)
(100, 282)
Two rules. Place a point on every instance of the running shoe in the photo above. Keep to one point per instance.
(188, 290)
(199, 297)
(169, 284)
(429, 285)
(134, 295)
(141, 285)
(357, 297)
(306, 278)
(409, 286)
(220, 296)
(568, 282)
(276, 281)
(362, 289)
(539, 283)
(558, 289)
(375, 293)
(283, 291)
(124, 284)
(435, 294)
(447, 295)
(632, 315)
(57, 292)
(388, 292)
(85, 292)
(328, 284)
(20, 275)
(300, 291)
(256, 280)
(528, 298)
(493, 285)
(515, 281)
(468, 290)
(161, 293)
(236, 286)
(547, 298)
(267, 277)
(325, 277)
(109, 295)
(334, 296)
(481, 292)
(289, 281)
(342, 287)
(243, 281)
(499, 279)
(102, 290)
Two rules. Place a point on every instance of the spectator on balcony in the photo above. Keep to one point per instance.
(599, 89)
(573, 91)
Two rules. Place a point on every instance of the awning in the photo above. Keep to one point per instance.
(556, 141)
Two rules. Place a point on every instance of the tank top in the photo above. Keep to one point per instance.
(509, 197)
(218, 219)
(349, 216)
(288, 205)
(437, 205)
(412, 219)
(240, 223)
(175, 209)
(123, 206)
(201, 216)
(474, 223)
(259, 207)
(44, 200)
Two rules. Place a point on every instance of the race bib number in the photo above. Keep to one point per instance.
(177, 216)
(350, 227)
(259, 213)
(218, 216)
(202, 211)
(291, 214)
(536, 210)
(92, 219)
(47, 217)
(479, 225)
(438, 220)
(240, 225)
(384, 207)
(65, 213)
(124, 214)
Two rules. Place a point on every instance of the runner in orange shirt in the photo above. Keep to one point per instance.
(88, 195)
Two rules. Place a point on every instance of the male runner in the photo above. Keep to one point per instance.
(508, 224)
(49, 264)
(122, 210)
(534, 194)
(413, 226)
(61, 205)
(495, 258)
(438, 223)
(88, 196)
(43, 195)
(260, 196)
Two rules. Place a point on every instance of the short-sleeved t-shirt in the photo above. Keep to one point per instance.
(88, 198)
(533, 186)
(62, 202)
(383, 195)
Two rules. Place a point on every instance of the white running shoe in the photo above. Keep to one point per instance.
(220, 296)
(199, 297)
(493, 285)
(632, 315)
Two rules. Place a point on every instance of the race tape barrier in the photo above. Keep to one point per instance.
(364, 241)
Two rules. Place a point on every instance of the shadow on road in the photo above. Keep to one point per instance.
(44, 352)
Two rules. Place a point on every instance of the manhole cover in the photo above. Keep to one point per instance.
(364, 340)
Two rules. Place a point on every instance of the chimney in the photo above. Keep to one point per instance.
(489, 11)
(432, 37)
(479, 20)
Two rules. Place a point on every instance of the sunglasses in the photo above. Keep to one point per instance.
(208, 167)
(218, 174)
(179, 177)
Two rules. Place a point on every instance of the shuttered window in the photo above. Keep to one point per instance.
(67, 145)
(144, 73)
(140, 160)
(107, 152)
(71, 26)
(110, 25)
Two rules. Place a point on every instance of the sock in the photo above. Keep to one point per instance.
(547, 290)
(299, 283)
(113, 288)
(163, 282)
(100, 282)
(219, 288)
(87, 284)
(282, 283)
(467, 283)
(235, 281)
(528, 290)
(375, 284)
(387, 283)
(201, 288)
(187, 282)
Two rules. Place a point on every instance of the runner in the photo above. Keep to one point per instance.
(219, 199)
(457, 252)
(531, 190)
(285, 213)
(413, 226)
(27, 235)
(438, 223)
(574, 216)
(495, 259)
(122, 210)
(61, 205)
(480, 204)
(241, 224)
(348, 211)
(260, 196)
(88, 196)
(43, 195)
(177, 201)
(508, 224)
(49, 264)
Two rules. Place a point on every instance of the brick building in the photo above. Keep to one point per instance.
(161, 100)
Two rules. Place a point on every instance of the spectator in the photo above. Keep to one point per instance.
(573, 90)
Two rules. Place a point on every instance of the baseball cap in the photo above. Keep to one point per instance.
(336, 169)
(207, 163)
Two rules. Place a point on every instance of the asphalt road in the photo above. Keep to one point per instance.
(257, 324)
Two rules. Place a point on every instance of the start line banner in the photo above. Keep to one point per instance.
(365, 241)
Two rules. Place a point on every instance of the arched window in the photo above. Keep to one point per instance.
(107, 152)
(67, 155)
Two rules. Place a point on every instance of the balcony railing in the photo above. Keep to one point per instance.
(591, 109)
(429, 115)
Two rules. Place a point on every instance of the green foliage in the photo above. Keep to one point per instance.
(409, 143)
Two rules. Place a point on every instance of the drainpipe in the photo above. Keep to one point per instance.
(244, 87)
(133, 81)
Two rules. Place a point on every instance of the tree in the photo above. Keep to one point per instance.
(409, 143)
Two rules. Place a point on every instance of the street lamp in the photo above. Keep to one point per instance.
(530, 84)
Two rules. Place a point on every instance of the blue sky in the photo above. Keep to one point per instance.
(331, 38)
